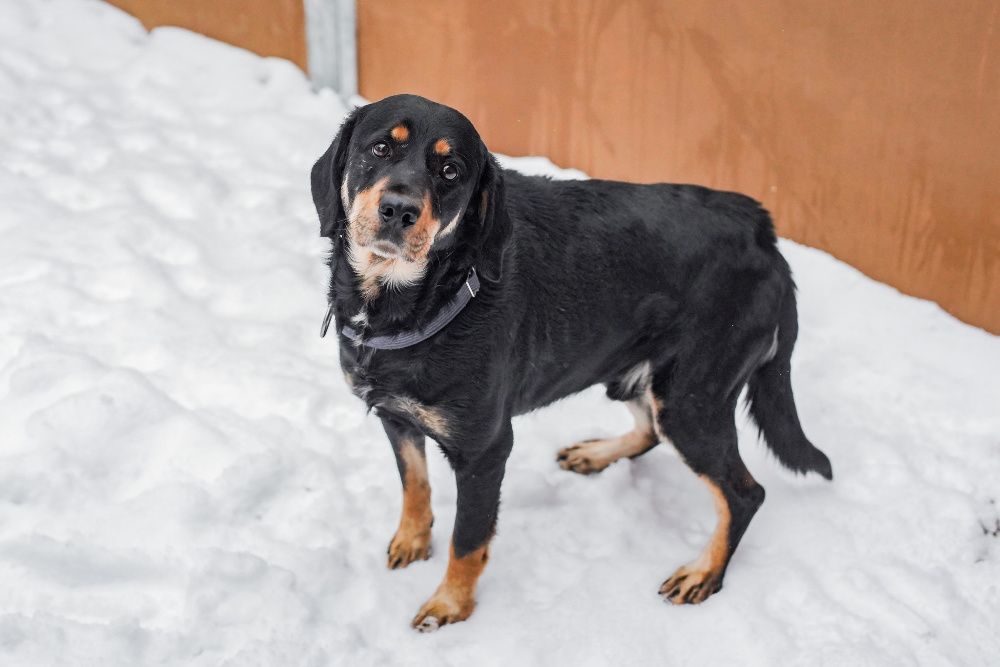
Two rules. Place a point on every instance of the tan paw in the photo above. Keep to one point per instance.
(407, 546)
(441, 609)
(585, 457)
(690, 585)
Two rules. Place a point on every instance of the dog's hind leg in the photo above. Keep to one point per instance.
(412, 540)
(706, 439)
(592, 456)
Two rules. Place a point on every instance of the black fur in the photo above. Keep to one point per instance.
(583, 281)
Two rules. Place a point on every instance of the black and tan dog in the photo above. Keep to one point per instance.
(464, 294)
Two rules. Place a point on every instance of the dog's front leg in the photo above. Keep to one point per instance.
(478, 482)
(412, 540)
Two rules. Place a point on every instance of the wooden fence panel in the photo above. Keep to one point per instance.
(271, 28)
(870, 129)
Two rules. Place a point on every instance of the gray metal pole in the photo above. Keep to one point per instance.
(331, 33)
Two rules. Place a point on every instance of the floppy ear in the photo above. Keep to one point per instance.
(327, 174)
(496, 224)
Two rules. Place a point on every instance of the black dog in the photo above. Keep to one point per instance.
(674, 296)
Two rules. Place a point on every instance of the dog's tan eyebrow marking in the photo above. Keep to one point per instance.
(400, 133)
(442, 147)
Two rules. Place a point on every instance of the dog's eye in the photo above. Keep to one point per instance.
(449, 172)
(381, 149)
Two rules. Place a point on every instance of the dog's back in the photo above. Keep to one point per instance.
(616, 273)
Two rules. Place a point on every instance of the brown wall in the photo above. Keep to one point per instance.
(871, 129)
(266, 27)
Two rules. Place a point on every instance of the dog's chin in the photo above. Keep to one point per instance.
(385, 250)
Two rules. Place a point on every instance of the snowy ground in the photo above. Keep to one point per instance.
(185, 479)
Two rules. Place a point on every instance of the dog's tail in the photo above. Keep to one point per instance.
(772, 406)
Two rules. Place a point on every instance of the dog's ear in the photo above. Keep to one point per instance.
(495, 224)
(327, 175)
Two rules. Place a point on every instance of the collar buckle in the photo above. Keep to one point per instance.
(472, 282)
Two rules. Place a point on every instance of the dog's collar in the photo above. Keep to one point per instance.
(455, 305)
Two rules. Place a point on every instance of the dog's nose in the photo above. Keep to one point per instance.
(398, 210)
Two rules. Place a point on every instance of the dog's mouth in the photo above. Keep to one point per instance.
(386, 249)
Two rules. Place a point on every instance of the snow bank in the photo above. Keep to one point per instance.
(184, 478)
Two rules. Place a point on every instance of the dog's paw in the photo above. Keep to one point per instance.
(408, 546)
(691, 585)
(441, 609)
(585, 457)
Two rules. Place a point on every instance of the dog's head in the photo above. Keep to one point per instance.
(408, 179)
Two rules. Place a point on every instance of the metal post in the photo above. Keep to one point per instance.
(331, 32)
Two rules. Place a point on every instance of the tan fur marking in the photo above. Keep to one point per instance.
(484, 201)
(655, 409)
(450, 227)
(716, 552)
(362, 227)
(442, 147)
(421, 235)
(374, 270)
(433, 419)
(345, 195)
(455, 599)
(412, 540)
(369, 275)
(400, 133)
(696, 581)
(363, 216)
(592, 456)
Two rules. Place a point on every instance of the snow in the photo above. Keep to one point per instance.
(185, 479)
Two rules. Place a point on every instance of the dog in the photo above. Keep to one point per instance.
(463, 294)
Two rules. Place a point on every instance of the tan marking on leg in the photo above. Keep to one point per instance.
(432, 419)
(655, 408)
(637, 379)
(400, 133)
(412, 540)
(442, 147)
(455, 599)
(696, 581)
(593, 456)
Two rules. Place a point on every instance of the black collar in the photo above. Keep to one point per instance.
(458, 302)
